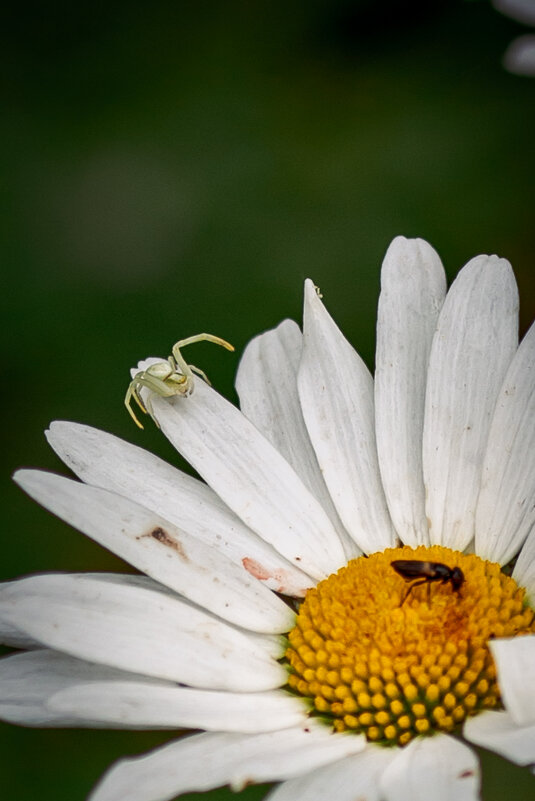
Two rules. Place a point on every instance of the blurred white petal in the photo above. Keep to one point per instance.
(441, 762)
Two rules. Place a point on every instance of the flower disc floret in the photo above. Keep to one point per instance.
(381, 656)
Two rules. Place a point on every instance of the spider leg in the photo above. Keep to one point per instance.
(138, 399)
(155, 385)
(187, 369)
(181, 366)
(201, 338)
(200, 372)
(132, 392)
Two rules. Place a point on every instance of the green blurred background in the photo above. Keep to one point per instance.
(171, 168)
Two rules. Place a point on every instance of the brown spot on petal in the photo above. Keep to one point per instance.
(255, 568)
(278, 579)
(166, 539)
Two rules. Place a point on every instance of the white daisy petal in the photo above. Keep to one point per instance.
(356, 777)
(47, 688)
(253, 479)
(524, 571)
(106, 461)
(413, 287)
(498, 732)
(28, 680)
(336, 393)
(162, 551)
(273, 645)
(204, 761)
(515, 662)
(519, 58)
(135, 704)
(476, 338)
(14, 638)
(521, 10)
(139, 630)
(266, 384)
(440, 762)
(506, 510)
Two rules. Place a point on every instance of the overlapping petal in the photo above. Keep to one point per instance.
(161, 550)
(126, 625)
(356, 777)
(100, 459)
(205, 761)
(267, 387)
(336, 392)
(519, 58)
(28, 681)
(441, 763)
(14, 638)
(520, 10)
(524, 570)
(48, 688)
(475, 341)
(413, 287)
(133, 704)
(515, 662)
(253, 479)
(497, 731)
(505, 509)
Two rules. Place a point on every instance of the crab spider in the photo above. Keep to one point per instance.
(167, 378)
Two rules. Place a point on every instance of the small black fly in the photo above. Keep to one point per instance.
(427, 572)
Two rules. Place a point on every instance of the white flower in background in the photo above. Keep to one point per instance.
(520, 55)
(310, 491)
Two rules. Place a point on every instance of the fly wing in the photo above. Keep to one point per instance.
(412, 568)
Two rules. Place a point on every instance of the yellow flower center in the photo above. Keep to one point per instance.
(397, 652)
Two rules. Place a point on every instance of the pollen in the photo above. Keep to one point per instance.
(394, 656)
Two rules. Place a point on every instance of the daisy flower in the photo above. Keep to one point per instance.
(334, 606)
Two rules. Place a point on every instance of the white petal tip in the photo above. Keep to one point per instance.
(21, 476)
(402, 244)
(311, 290)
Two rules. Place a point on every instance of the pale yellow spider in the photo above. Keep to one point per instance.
(172, 377)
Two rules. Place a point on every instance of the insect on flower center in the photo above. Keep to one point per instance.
(395, 651)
